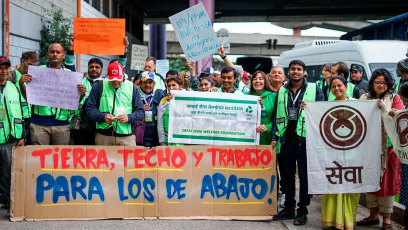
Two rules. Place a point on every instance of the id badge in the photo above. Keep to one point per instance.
(119, 111)
(293, 114)
(148, 116)
(2, 114)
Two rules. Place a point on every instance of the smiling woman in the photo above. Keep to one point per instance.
(260, 86)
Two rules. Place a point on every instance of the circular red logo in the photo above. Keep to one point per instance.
(402, 128)
(343, 127)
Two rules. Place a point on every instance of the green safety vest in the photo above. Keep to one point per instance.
(282, 110)
(349, 92)
(159, 83)
(24, 105)
(122, 97)
(166, 117)
(60, 114)
(12, 125)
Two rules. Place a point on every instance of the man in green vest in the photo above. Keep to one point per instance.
(49, 125)
(11, 128)
(150, 65)
(228, 77)
(402, 72)
(27, 58)
(120, 106)
(288, 126)
(341, 69)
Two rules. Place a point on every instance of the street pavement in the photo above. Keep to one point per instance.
(314, 222)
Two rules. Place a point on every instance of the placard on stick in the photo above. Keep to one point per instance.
(53, 87)
(99, 36)
(195, 32)
(139, 55)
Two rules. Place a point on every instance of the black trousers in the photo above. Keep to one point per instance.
(293, 152)
(5, 172)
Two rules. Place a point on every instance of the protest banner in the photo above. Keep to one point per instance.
(99, 36)
(102, 182)
(53, 87)
(223, 36)
(195, 32)
(162, 67)
(397, 131)
(139, 55)
(343, 142)
(214, 118)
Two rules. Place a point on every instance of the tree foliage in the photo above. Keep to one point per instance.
(54, 30)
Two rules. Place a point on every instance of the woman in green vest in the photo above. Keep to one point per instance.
(261, 87)
(163, 112)
(339, 210)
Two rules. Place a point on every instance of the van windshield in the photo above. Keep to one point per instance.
(388, 66)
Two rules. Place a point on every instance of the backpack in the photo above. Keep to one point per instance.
(83, 121)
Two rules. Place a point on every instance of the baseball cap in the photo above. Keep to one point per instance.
(208, 70)
(146, 75)
(356, 67)
(115, 72)
(246, 76)
(4, 61)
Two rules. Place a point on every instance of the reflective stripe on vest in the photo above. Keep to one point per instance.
(282, 110)
(24, 105)
(122, 97)
(349, 92)
(12, 125)
(60, 114)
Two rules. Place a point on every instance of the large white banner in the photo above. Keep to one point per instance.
(53, 87)
(214, 118)
(195, 32)
(397, 131)
(343, 141)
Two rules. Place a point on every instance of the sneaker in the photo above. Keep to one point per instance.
(300, 219)
(281, 201)
(284, 214)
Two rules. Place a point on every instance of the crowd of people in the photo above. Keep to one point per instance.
(115, 109)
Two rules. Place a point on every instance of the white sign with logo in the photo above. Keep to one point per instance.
(195, 33)
(53, 87)
(397, 131)
(139, 55)
(343, 141)
(214, 118)
(223, 36)
(162, 67)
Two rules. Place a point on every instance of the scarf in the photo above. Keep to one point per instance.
(147, 98)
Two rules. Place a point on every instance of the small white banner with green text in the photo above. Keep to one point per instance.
(214, 118)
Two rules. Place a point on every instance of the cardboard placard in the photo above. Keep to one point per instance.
(195, 32)
(162, 67)
(53, 87)
(99, 36)
(223, 36)
(102, 182)
(139, 55)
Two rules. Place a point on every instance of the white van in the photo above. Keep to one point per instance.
(370, 55)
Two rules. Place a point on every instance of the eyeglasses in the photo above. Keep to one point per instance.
(380, 83)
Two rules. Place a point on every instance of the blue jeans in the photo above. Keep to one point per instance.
(292, 152)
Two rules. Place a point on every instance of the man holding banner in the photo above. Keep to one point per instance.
(50, 125)
(288, 126)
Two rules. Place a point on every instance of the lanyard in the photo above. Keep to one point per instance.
(120, 95)
(3, 94)
(145, 99)
(295, 99)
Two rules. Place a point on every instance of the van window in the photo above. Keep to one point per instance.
(388, 66)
